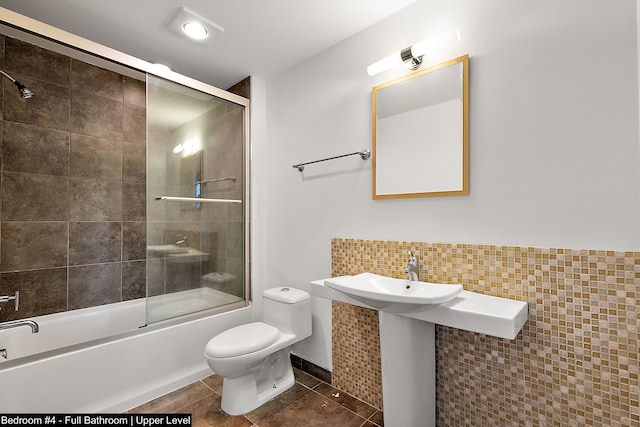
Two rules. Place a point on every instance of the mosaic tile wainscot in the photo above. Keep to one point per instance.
(575, 363)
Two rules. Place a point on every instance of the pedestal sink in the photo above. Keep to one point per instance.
(393, 295)
(408, 312)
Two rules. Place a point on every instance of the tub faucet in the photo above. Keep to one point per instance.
(412, 269)
(16, 323)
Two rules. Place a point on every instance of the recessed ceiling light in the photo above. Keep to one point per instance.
(195, 30)
(198, 28)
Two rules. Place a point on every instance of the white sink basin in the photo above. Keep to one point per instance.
(393, 295)
(178, 254)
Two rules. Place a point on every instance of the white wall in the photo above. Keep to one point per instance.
(553, 136)
(259, 196)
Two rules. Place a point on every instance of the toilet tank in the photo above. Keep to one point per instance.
(288, 309)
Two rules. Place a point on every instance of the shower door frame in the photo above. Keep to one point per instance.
(55, 39)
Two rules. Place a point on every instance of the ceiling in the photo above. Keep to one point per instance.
(261, 38)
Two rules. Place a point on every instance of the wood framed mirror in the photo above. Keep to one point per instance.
(421, 133)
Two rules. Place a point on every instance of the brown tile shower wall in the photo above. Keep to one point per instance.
(575, 363)
(73, 230)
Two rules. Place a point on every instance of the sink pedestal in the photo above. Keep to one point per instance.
(408, 352)
(407, 339)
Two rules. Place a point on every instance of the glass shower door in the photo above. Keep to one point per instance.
(196, 153)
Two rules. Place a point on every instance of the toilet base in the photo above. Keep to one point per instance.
(246, 393)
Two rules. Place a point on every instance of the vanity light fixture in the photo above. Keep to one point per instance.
(412, 56)
(194, 26)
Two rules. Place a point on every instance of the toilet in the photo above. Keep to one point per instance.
(253, 358)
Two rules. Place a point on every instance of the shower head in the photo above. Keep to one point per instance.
(24, 92)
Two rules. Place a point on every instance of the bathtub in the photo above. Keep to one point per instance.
(104, 359)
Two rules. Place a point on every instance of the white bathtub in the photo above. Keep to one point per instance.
(99, 360)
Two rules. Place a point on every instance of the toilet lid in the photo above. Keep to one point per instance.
(243, 339)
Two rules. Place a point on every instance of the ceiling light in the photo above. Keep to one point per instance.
(195, 30)
(198, 28)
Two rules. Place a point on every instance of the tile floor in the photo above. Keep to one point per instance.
(310, 402)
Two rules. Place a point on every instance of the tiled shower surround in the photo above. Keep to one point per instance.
(575, 363)
(74, 217)
(73, 183)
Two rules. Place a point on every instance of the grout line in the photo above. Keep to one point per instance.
(306, 386)
(205, 384)
(371, 416)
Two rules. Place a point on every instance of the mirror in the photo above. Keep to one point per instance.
(190, 177)
(421, 133)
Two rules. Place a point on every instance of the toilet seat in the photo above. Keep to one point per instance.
(243, 339)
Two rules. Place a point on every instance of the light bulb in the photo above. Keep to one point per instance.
(384, 64)
(195, 30)
(428, 46)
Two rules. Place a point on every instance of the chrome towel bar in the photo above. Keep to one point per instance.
(364, 154)
(226, 178)
(196, 199)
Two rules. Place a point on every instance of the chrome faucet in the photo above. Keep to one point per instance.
(412, 270)
(182, 241)
(16, 323)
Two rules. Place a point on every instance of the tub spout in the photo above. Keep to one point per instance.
(16, 323)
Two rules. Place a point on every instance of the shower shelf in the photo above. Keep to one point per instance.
(196, 199)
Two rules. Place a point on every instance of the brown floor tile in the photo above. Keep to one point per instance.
(305, 379)
(214, 382)
(377, 419)
(313, 409)
(299, 406)
(206, 412)
(175, 400)
(258, 415)
(358, 406)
